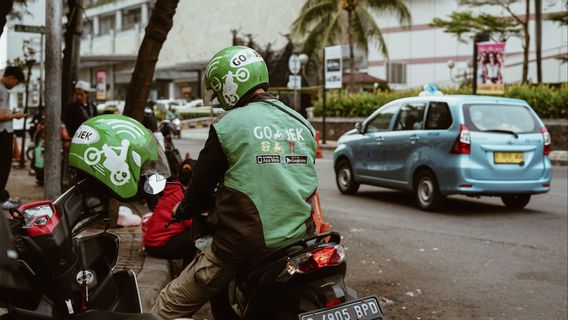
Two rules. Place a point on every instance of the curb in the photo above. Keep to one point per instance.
(155, 272)
(153, 277)
(559, 157)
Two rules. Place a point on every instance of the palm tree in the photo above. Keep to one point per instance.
(322, 22)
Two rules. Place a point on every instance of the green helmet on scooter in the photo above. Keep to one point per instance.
(233, 72)
(119, 152)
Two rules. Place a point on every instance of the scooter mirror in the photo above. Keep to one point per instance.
(155, 184)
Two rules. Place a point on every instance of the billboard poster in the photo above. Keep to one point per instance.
(333, 67)
(101, 85)
(490, 65)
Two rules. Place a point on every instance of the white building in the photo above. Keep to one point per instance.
(420, 53)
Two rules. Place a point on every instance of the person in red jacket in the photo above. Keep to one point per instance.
(173, 242)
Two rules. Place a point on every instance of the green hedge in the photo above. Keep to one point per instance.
(547, 101)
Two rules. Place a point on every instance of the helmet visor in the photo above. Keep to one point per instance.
(155, 171)
(157, 165)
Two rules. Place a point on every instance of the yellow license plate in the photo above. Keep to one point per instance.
(509, 157)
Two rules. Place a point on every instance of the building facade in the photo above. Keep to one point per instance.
(419, 54)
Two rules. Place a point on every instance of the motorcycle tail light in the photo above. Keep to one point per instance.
(313, 260)
(333, 302)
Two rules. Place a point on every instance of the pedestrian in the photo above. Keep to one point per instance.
(81, 109)
(260, 156)
(12, 77)
(170, 241)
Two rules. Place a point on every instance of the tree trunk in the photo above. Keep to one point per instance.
(538, 38)
(160, 23)
(526, 44)
(73, 32)
(5, 9)
(351, 54)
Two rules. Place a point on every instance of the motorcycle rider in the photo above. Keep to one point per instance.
(261, 153)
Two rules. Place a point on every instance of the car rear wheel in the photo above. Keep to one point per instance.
(427, 192)
(344, 178)
(516, 201)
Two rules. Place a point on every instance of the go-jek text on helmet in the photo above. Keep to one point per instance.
(233, 72)
(118, 151)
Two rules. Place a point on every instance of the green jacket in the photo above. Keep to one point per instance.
(263, 199)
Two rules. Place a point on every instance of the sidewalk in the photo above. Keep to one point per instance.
(153, 274)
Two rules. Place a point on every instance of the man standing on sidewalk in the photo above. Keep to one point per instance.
(11, 78)
(81, 109)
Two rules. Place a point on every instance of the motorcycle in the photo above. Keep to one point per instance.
(62, 273)
(172, 153)
(303, 280)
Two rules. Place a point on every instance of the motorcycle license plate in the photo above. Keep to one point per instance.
(363, 309)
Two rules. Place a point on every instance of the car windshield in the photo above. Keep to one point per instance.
(500, 118)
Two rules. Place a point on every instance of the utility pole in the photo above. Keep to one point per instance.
(538, 38)
(73, 31)
(53, 14)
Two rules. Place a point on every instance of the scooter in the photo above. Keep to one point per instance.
(67, 274)
(303, 280)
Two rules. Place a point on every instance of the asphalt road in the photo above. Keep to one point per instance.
(474, 260)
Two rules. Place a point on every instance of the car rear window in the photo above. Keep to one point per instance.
(498, 117)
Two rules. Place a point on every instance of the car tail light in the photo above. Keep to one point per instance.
(313, 260)
(546, 185)
(463, 141)
(547, 141)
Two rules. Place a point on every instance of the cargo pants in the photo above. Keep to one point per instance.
(198, 283)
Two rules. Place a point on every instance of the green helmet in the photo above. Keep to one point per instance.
(118, 151)
(233, 72)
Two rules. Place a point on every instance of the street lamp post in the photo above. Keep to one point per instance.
(464, 75)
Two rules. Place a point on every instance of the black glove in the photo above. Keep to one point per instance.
(179, 214)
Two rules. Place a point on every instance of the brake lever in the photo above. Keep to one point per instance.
(15, 213)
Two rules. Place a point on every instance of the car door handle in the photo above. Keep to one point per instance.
(380, 140)
(413, 139)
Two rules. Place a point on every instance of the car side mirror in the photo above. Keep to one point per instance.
(359, 127)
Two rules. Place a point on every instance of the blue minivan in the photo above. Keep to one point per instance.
(437, 146)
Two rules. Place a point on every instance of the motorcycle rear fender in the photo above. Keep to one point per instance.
(299, 298)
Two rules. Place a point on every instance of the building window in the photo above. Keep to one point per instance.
(396, 72)
(106, 24)
(131, 17)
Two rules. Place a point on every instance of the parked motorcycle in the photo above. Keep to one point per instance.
(25, 294)
(69, 273)
(73, 273)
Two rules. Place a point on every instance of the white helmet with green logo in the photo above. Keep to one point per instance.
(118, 151)
(233, 72)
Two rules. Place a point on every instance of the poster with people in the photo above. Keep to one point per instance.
(101, 85)
(490, 65)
